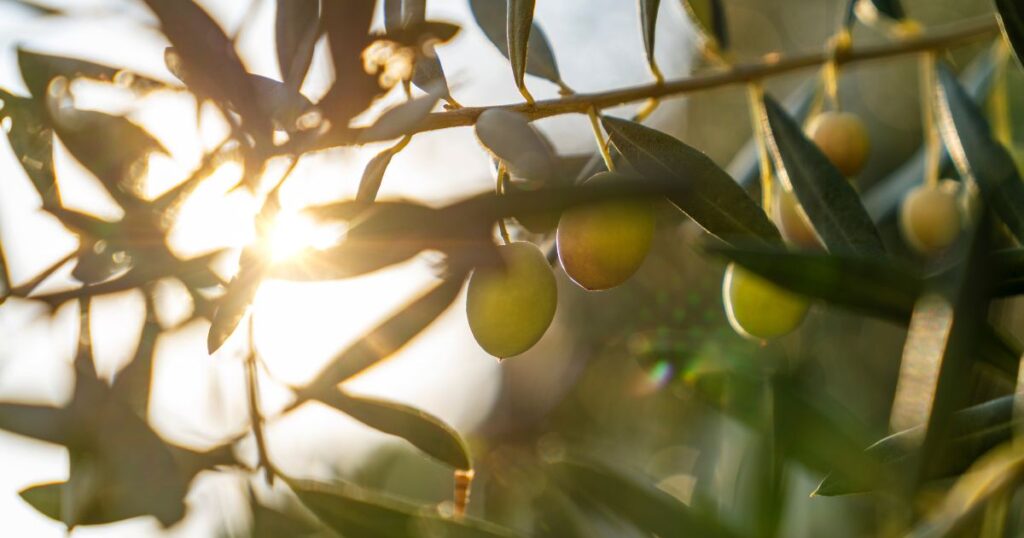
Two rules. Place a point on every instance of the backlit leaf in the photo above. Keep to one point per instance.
(709, 16)
(31, 139)
(297, 28)
(373, 175)
(347, 23)
(707, 194)
(423, 430)
(39, 69)
(234, 304)
(832, 205)
(401, 119)
(511, 138)
(649, 22)
(520, 23)
(492, 17)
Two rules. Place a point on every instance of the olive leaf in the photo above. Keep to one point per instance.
(832, 205)
(974, 431)
(1011, 21)
(31, 139)
(423, 430)
(234, 304)
(211, 63)
(399, 16)
(511, 138)
(645, 506)
(977, 154)
(709, 17)
(873, 285)
(492, 17)
(373, 175)
(351, 510)
(347, 23)
(520, 22)
(296, 29)
(402, 119)
(649, 22)
(707, 194)
(39, 69)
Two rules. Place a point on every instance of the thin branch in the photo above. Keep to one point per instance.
(770, 66)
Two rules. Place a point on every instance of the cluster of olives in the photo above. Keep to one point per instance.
(600, 246)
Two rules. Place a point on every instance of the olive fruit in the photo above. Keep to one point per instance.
(759, 309)
(842, 137)
(510, 307)
(930, 217)
(796, 229)
(601, 245)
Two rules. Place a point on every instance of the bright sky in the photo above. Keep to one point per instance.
(198, 399)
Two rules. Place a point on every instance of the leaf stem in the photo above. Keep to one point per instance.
(602, 145)
(255, 415)
(500, 189)
(755, 94)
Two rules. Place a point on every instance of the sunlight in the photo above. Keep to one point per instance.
(292, 233)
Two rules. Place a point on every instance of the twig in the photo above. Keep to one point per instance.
(770, 66)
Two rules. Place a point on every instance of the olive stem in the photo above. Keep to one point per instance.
(500, 189)
(755, 94)
(602, 145)
(933, 144)
(771, 65)
(255, 415)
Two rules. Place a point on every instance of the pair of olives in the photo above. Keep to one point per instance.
(599, 245)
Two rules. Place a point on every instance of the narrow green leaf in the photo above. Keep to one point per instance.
(649, 508)
(975, 431)
(423, 430)
(977, 155)
(649, 22)
(211, 63)
(296, 29)
(401, 119)
(707, 195)
(373, 175)
(520, 22)
(511, 138)
(1011, 21)
(492, 17)
(354, 511)
(386, 338)
(872, 285)
(832, 205)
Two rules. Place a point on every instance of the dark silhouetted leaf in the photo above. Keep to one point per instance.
(416, 33)
(373, 175)
(492, 17)
(283, 104)
(649, 508)
(1011, 20)
(511, 138)
(709, 16)
(31, 139)
(354, 511)
(347, 23)
(649, 22)
(45, 498)
(297, 28)
(401, 119)
(831, 203)
(39, 69)
(210, 63)
(386, 338)
(423, 430)
(50, 424)
(873, 285)
(232, 307)
(977, 155)
(520, 22)
(707, 194)
(428, 73)
(975, 431)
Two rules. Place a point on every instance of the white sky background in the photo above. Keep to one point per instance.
(299, 327)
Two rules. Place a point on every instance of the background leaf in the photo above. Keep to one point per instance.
(648, 23)
(1011, 21)
(347, 23)
(707, 194)
(511, 138)
(832, 205)
(492, 17)
(520, 23)
(401, 119)
(423, 430)
(297, 27)
(977, 155)
(709, 16)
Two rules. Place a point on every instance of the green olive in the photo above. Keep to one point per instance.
(796, 229)
(603, 244)
(842, 137)
(509, 308)
(930, 217)
(757, 308)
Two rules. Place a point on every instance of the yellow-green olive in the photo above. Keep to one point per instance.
(930, 217)
(842, 137)
(796, 229)
(509, 308)
(603, 244)
(759, 309)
